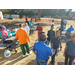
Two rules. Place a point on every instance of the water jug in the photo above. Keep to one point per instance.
(7, 53)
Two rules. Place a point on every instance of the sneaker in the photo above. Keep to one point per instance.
(29, 53)
(23, 55)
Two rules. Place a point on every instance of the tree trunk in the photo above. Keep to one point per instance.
(39, 13)
(68, 13)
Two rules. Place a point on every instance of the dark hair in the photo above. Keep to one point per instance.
(71, 26)
(42, 39)
(26, 19)
(20, 25)
(38, 24)
(42, 32)
(57, 31)
(52, 25)
(52, 20)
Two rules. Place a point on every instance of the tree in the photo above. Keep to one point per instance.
(39, 13)
(68, 12)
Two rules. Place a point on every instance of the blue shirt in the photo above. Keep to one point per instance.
(56, 42)
(42, 50)
(70, 29)
(71, 48)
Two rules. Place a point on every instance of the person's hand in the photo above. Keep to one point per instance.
(60, 49)
(52, 49)
(64, 54)
(47, 41)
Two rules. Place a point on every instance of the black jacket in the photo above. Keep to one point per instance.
(27, 22)
(49, 34)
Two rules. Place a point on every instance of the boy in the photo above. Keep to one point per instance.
(55, 42)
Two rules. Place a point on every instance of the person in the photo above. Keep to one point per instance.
(55, 42)
(65, 21)
(61, 29)
(40, 29)
(52, 23)
(42, 51)
(69, 52)
(31, 27)
(27, 28)
(62, 23)
(50, 34)
(23, 38)
(4, 33)
(27, 21)
(70, 29)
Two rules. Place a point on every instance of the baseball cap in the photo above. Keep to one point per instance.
(43, 36)
(4, 27)
(20, 25)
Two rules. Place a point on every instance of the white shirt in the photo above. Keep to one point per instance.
(27, 29)
(52, 23)
(65, 21)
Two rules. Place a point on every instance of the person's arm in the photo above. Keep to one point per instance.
(54, 33)
(5, 35)
(50, 53)
(60, 46)
(48, 34)
(34, 49)
(52, 43)
(36, 28)
(65, 50)
(51, 46)
(67, 45)
(16, 37)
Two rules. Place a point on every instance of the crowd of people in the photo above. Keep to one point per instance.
(41, 49)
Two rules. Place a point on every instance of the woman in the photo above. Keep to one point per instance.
(4, 33)
(27, 28)
(31, 26)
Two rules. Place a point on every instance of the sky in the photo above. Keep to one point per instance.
(73, 10)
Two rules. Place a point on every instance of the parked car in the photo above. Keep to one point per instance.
(10, 17)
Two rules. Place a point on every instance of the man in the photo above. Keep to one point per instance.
(69, 52)
(61, 29)
(23, 38)
(27, 21)
(40, 29)
(55, 42)
(65, 21)
(70, 29)
(62, 23)
(50, 34)
(42, 51)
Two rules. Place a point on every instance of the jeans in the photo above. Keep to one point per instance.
(47, 43)
(4, 38)
(40, 61)
(71, 58)
(53, 57)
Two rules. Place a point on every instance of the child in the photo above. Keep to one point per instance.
(52, 23)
